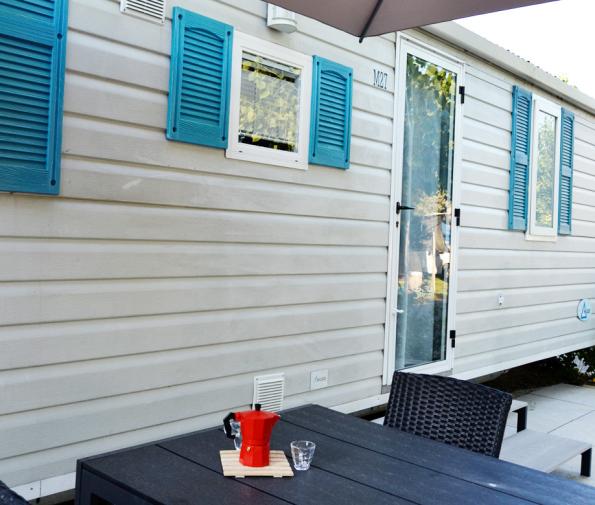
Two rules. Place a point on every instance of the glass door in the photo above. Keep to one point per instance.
(424, 248)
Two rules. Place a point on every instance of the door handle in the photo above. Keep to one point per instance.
(398, 311)
(403, 207)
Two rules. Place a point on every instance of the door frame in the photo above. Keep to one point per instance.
(407, 44)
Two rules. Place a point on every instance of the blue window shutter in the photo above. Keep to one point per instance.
(522, 102)
(566, 167)
(330, 120)
(32, 62)
(200, 79)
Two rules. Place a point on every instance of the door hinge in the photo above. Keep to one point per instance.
(453, 338)
(458, 216)
(462, 93)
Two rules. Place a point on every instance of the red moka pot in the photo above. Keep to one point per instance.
(256, 427)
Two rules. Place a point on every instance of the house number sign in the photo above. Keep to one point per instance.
(583, 311)
(380, 79)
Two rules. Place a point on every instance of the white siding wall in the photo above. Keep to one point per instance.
(541, 282)
(141, 302)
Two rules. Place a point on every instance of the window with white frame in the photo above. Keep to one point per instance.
(544, 171)
(269, 104)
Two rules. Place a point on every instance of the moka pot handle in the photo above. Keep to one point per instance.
(227, 424)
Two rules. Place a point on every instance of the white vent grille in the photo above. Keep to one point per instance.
(151, 10)
(269, 391)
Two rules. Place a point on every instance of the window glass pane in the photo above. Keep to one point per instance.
(546, 169)
(269, 103)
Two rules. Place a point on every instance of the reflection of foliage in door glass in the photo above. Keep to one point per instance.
(269, 103)
(425, 231)
(546, 169)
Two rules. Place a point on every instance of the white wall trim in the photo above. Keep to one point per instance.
(506, 365)
(364, 403)
(46, 487)
(500, 57)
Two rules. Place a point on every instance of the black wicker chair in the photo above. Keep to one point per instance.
(8, 497)
(449, 410)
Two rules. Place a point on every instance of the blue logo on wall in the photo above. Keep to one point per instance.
(583, 311)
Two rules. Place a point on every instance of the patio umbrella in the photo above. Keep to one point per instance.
(366, 18)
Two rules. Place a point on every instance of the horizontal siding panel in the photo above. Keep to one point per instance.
(490, 75)
(487, 342)
(110, 60)
(584, 165)
(483, 175)
(38, 259)
(583, 228)
(584, 149)
(144, 107)
(48, 386)
(68, 424)
(476, 238)
(76, 300)
(374, 100)
(369, 125)
(481, 364)
(61, 218)
(103, 140)
(584, 130)
(585, 182)
(505, 259)
(136, 40)
(115, 101)
(372, 154)
(86, 179)
(476, 322)
(487, 300)
(497, 120)
(487, 134)
(483, 217)
(61, 460)
(475, 280)
(99, 16)
(78, 340)
(583, 206)
(481, 196)
(487, 92)
(486, 155)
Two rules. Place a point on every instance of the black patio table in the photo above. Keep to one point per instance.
(356, 462)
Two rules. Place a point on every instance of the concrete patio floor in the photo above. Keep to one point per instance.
(564, 410)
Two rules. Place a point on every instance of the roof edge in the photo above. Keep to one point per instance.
(493, 53)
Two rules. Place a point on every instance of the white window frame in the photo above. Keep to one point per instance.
(237, 150)
(534, 231)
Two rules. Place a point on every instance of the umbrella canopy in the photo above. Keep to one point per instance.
(375, 17)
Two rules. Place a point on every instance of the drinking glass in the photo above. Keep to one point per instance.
(302, 452)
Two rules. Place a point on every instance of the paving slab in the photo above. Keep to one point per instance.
(547, 414)
(582, 395)
(567, 411)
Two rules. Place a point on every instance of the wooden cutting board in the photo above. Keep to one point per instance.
(278, 467)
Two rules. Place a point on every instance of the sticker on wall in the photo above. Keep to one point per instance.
(583, 311)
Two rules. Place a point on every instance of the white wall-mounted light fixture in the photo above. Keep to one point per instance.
(281, 19)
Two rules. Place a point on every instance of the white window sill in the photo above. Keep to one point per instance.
(541, 238)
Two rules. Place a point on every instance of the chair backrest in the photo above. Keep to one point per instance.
(449, 410)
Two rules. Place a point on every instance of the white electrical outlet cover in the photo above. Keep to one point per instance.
(319, 379)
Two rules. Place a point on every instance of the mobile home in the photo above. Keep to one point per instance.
(191, 203)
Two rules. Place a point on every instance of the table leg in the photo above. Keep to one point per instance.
(521, 420)
(586, 463)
